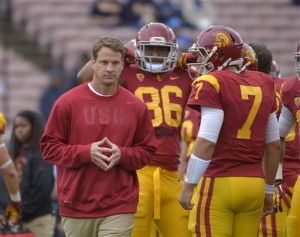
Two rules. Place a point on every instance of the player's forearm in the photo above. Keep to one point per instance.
(183, 151)
(272, 159)
(85, 74)
(8, 170)
(282, 152)
(10, 178)
(203, 148)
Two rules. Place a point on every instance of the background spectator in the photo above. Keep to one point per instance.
(35, 175)
(199, 14)
(71, 81)
(296, 2)
(52, 92)
(109, 10)
(168, 11)
(139, 12)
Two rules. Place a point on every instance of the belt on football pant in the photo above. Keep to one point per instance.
(156, 196)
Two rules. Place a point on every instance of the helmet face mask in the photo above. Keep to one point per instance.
(154, 58)
(218, 47)
(202, 66)
(156, 48)
(297, 61)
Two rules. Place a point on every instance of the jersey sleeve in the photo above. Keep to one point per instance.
(205, 92)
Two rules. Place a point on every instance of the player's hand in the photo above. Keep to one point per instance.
(13, 212)
(185, 58)
(2, 222)
(268, 205)
(129, 56)
(281, 194)
(186, 195)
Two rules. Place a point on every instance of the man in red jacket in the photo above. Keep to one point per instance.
(98, 134)
(154, 75)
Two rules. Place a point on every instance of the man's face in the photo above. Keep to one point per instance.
(107, 66)
(156, 51)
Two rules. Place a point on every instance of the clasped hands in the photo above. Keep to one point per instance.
(105, 154)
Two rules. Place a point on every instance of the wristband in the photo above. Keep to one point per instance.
(2, 145)
(16, 197)
(269, 189)
(5, 164)
(195, 169)
(279, 172)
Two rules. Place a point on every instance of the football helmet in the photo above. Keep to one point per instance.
(249, 58)
(297, 60)
(130, 44)
(218, 46)
(129, 54)
(156, 48)
(275, 71)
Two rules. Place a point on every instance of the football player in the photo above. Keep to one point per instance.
(14, 209)
(238, 127)
(274, 225)
(289, 117)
